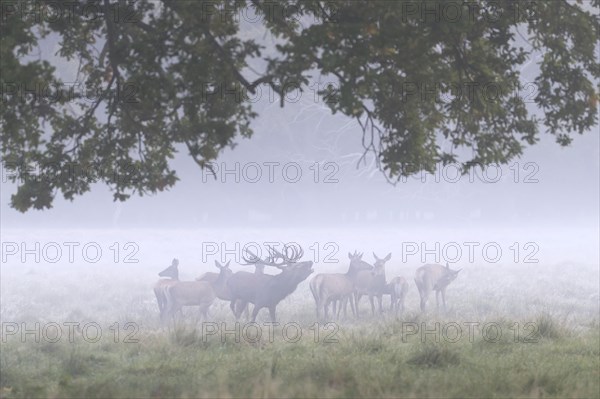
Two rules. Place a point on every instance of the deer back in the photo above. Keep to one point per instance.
(434, 277)
(210, 277)
(191, 293)
(335, 285)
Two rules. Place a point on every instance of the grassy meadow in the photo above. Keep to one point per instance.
(547, 313)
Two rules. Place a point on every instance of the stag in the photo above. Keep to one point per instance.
(433, 277)
(172, 272)
(264, 290)
(372, 283)
(329, 288)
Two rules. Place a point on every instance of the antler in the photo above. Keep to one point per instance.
(296, 253)
(252, 259)
(285, 259)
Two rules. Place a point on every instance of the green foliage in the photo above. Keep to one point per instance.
(153, 69)
(549, 328)
(434, 356)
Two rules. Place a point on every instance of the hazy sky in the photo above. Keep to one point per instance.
(548, 186)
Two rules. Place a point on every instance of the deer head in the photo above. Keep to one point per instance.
(356, 263)
(171, 271)
(224, 269)
(379, 265)
(447, 278)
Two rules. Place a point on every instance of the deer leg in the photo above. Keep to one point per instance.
(318, 304)
(232, 307)
(204, 312)
(162, 313)
(240, 307)
(334, 307)
(349, 301)
(356, 303)
(372, 304)
(272, 313)
(352, 306)
(444, 298)
(255, 313)
(344, 303)
(423, 302)
(380, 301)
(437, 299)
(172, 312)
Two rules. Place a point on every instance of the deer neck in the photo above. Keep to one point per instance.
(288, 281)
(352, 270)
(221, 280)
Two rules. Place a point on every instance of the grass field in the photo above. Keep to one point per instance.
(548, 315)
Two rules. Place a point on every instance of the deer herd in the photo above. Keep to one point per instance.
(330, 290)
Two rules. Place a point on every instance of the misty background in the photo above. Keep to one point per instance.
(550, 194)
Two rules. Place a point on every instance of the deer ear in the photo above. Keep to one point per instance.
(175, 262)
(388, 257)
(375, 256)
(217, 264)
(456, 271)
(349, 255)
(227, 264)
(447, 266)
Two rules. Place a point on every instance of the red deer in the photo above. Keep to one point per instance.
(266, 291)
(436, 278)
(221, 288)
(172, 272)
(397, 288)
(329, 288)
(372, 283)
(194, 293)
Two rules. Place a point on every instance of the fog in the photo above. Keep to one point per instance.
(540, 212)
(304, 177)
(526, 234)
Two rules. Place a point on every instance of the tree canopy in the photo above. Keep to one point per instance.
(429, 82)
